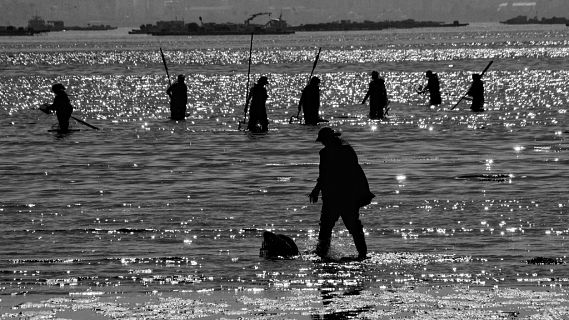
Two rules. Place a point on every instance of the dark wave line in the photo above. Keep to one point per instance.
(125, 260)
(498, 177)
(129, 230)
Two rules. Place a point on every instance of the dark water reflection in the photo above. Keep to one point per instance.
(334, 309)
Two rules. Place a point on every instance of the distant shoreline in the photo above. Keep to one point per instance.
(347, 25)
(279, 26)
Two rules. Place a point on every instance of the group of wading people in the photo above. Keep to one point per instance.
(341, 182)
(257, 97)
(377, 93)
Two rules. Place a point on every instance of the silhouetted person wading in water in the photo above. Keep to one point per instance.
(476, 92)
(178, 93)
(433, 87)
(258, 96)
(377, 94)
(344, 189)
(310, 102)
(61, 105)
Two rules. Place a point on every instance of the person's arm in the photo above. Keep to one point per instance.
(170, 89)
(249, 97)
(315, 192)
(301, 102)
(48, 108)
(368, 93)
(470, 93)
(383, 97)
(471, 90)
(425, 89)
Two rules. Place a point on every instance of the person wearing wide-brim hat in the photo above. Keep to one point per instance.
(258, 121)
(377, 94)
(344, 188)
(178, 93)
(61, 105)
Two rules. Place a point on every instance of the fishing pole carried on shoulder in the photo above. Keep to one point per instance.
(464, 95)
(168, 74)
(245, 109)
(165, 66)
(311, 73)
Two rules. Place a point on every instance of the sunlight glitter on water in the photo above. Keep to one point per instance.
(160, 204)
(133, 96)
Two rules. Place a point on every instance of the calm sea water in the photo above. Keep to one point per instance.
(149, 204)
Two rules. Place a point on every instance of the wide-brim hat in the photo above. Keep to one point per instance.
(327, 132)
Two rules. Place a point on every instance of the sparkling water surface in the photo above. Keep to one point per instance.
(150, 204)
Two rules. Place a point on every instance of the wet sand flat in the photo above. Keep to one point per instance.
(411, 302)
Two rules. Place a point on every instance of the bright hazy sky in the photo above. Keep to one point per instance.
(135, 12)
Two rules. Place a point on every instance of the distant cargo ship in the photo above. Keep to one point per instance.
(179, 28)
(535, 20)
(348, 25)
(455, 23)
(92, 27)
(15, 31)
(37, 24)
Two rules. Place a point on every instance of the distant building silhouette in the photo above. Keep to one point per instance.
(133, 13)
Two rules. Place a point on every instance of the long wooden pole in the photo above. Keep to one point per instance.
(165, 66)
(315, 63)
(245, 109)
(85, 123)
(310, 77)
(481, 75)
(44, 109)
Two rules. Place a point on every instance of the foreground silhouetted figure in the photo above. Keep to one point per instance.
(277, 246)
(178, 93)
(476, 92)
(61, 105)
(433, 87)
(344, 189)
(310, 102)
(258, 121)
(377, 94)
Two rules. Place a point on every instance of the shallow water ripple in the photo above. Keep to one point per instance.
(149, 204)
